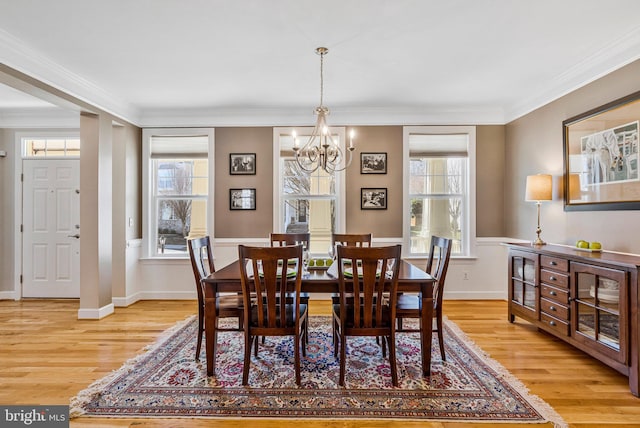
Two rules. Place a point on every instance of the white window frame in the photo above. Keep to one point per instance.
(469, 216)
(278, 200)
(149, 235)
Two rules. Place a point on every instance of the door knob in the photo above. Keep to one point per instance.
(77, 236)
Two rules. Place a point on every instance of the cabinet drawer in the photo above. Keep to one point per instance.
(556, 294)
(555, 324)
(555, 263)
(554, 309)
(554, 278)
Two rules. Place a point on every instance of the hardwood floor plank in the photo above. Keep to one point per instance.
(47, 356)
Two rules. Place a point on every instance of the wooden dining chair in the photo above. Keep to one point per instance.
(367, 299)
(409, 305)
(228, 306)
(282, 239)
(264, 274)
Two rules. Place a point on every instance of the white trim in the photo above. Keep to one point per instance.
(147, 196)
(96, 314)
(470, 226)
(9, 295)
(609, 58)
(21, 57)
(17, 196)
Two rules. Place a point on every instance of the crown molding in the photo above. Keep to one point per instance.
(305, 117)
(17, 55)
(613, 56)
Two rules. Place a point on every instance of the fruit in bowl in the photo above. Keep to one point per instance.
(582, 244)
(595, 245)
(320, 262)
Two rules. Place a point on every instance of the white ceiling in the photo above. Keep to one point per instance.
(252, 62)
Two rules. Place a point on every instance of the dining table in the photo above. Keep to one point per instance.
(411, 279)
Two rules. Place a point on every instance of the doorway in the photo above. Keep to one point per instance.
(51, 228)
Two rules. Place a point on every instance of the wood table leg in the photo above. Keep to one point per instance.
(209, 328)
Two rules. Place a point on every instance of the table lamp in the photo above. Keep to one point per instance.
(539, 188)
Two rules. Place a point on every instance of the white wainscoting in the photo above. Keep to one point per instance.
(481, 277)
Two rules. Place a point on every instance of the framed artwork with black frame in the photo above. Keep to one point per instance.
(242, 199)
(373, 163)
(373, 198)
(602, 157)
(242, 163)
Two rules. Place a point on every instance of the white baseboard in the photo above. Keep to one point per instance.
(9, 295)
(96, 314)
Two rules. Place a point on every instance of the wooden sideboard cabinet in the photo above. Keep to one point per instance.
(588, 299)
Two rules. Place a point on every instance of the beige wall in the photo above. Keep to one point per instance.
(7, 210)
(490, 179)
(490, 142)
(244, 224)
(534, 145)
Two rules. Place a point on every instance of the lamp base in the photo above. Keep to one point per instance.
(538, 241)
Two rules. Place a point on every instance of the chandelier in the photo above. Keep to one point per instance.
(321, 150)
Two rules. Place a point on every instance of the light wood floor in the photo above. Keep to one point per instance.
(47, 356)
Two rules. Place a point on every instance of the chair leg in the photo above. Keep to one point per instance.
(336, 340)
(384, 346)
(296, 356)
(200, 331)
(305, 339)
(392, 360)
(256, 344)
(343, 357)
(247, 358)
(440, 337)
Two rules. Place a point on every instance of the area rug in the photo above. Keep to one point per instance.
(166, 381)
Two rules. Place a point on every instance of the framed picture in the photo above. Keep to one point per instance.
(373, 198)
(242, 163)
(601, 157)
(242, 199)
(373, 163)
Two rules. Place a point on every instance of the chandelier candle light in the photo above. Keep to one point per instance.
(539, 188)
(321, 150)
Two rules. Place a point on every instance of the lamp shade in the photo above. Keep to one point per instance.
(539, 187)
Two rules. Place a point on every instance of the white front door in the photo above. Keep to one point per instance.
(51, 228)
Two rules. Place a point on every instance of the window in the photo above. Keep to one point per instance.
(306, 202)
(51, 146)
(439, 197)
(178, 179)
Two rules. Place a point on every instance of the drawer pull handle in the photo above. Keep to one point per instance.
(553, 263)
(552, 308)
(553, 293)
(552, 323)
(553, 278)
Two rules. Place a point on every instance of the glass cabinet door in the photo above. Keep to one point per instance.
(522, 292)
(598, 308)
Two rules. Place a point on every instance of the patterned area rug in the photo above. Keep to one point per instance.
(166, 381)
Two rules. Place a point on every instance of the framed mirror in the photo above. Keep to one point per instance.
(601, 157)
